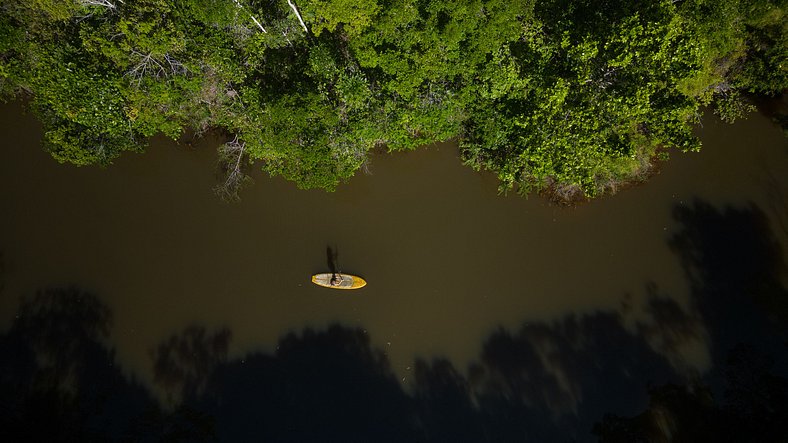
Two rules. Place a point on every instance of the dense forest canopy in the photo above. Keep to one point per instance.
(575, 96)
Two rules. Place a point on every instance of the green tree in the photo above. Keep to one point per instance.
(571, 97)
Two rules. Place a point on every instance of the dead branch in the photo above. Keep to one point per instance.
(238, 3)
(175, 66)
(147, 64)
(231, 157)
(103, 3)
(293, 6)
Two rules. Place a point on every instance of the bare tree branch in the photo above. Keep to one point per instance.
(293, 6)
(147, 64)
(238, 3)
(103, 3)
(231, 156)
(175, 66)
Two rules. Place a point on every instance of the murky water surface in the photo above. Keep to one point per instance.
(450, 263)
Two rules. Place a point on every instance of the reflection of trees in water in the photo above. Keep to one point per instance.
(543, 382)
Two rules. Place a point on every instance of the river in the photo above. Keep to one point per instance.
(450, 263)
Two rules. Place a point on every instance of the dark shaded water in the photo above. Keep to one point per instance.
(486, 318)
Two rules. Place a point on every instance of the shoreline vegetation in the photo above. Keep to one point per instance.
(572, 99)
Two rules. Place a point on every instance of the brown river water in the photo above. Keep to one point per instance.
(447, 259)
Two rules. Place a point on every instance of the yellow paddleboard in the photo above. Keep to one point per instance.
(344, 281)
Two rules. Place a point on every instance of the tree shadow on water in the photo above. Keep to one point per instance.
(317, 386)
(329, 385)
(548, 382)
(56, 371)
(2, 273)
(59, 381)
(754, 407)
(542, 382)
(183, 363)
(552, 381)
(735, 268)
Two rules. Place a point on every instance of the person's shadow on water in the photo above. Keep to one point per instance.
(331, 259)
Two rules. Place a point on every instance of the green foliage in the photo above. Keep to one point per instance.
(765, 69)
(71, 142)
(595, 96)
(82, 107)
(352, 15)
(217, 13)
(12, 63)
(731, 106)
(571, 96)
(51, 10)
